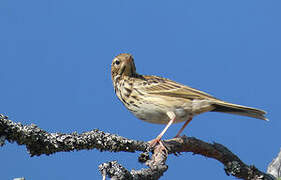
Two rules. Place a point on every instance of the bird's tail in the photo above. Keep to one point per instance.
(226, 107)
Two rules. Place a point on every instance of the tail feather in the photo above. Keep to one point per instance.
(239, 110)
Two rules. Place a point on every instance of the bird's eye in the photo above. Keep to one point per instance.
(117, 62)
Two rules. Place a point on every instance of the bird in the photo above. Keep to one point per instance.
(162, 101)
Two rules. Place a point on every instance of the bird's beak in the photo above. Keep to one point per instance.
(127, 68)
(122, 69)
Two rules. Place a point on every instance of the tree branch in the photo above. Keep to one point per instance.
(40, 142)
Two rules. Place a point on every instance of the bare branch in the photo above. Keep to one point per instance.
(40, 142)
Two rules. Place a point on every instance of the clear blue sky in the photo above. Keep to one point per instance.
(55, 72)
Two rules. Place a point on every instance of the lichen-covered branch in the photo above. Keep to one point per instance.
(274, 167)
(232, 164)
(38, 142)
(156, 169)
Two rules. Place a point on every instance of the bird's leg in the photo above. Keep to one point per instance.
(182, 128)
(172, 117)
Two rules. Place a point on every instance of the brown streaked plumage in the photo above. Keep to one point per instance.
(162, 101)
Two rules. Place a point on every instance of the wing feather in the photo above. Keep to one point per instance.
(165, 87)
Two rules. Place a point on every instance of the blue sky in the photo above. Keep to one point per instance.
(55, 72)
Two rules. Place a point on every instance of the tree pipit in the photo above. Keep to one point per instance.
(162, 101)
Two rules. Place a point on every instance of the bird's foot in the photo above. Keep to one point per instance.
(156, 141)
(177, 136)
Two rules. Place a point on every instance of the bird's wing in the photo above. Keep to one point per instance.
(165, 87)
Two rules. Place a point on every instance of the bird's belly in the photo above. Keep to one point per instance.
(152, 116)
(158, 115)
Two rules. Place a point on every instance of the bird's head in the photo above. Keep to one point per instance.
(123, 65)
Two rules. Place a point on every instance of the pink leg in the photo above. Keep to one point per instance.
(172, 117)
(182, 128)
